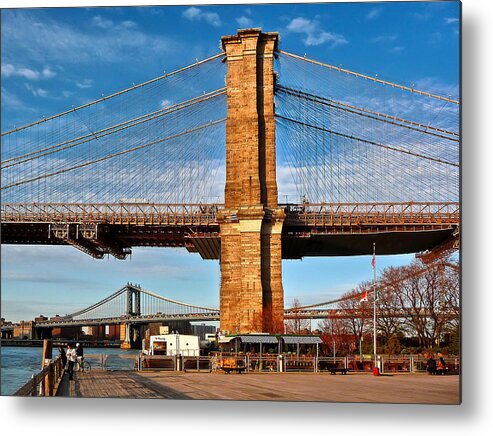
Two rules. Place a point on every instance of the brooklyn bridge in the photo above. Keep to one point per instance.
(248, 157)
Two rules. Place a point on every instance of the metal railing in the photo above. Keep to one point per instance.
(197, 364)
(308, 214)
(299, 363)
(161, 363)
(373, 214)
(45, 382)
(264, 363)
(116, 213)
(256, 363)
(327, 363)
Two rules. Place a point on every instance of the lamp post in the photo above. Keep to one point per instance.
(375, 368)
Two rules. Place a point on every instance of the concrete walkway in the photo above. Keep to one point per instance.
(398, 388)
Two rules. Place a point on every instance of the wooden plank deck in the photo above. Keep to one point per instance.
(401, 388)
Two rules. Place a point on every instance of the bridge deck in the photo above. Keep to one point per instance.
(344, 229)
(402, 388)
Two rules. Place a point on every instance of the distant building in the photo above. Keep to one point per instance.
(68, 332)
(24, 330)
(40, 318)
(4, 323)
(7, 329)
(201, 330)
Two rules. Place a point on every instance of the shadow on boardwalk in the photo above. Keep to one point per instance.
(118, 384)
(361, 388)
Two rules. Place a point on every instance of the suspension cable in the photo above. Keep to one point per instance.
(140, 85)
(374, 79)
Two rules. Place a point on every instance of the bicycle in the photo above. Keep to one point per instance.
(83, 365)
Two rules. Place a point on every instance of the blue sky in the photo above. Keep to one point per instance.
(53, 59)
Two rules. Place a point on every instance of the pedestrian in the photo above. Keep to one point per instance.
(71, 359)
(79, 352)
(431, 366)
(441, 366)
(63, 355)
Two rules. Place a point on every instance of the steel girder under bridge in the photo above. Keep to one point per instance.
(309, 229)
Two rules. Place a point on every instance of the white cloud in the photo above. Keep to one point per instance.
(244, 21)
(374, 13)
(39, 38)
(86, 83)
(192, 13)
(9, 70)
(314, 35)
(396, 50)
(48, 73)
(37, 92)
(434, 85)
(104, 23)
(451, 20)
(196, 14)
(129, 24)
(166, 103)
(301, 25)
(11, 101)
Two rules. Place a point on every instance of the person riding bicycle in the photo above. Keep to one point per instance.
(79, 352)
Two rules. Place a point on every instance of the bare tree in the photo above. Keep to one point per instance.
(451, 284)
(356, 314)
(335, 336)
(424, 298)
(297, 325)
(389, 320)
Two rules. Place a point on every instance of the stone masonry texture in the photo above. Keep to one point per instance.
(251, 293)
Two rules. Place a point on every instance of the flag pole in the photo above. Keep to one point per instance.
(374, 309)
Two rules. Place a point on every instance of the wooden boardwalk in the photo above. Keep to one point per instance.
(399, 388)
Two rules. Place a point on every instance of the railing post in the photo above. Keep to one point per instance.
(178, 362)
(50, 380)
(33, 385)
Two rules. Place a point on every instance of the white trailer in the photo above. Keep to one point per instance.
(173, 344)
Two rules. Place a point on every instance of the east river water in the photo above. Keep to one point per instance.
(18, 364)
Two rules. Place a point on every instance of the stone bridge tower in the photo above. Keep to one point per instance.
(250, 225)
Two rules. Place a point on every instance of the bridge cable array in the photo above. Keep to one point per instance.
(159, 141)
(342, 137)
(346, 137)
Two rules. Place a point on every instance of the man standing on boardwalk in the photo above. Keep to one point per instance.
(79, 352)
(71, 358)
